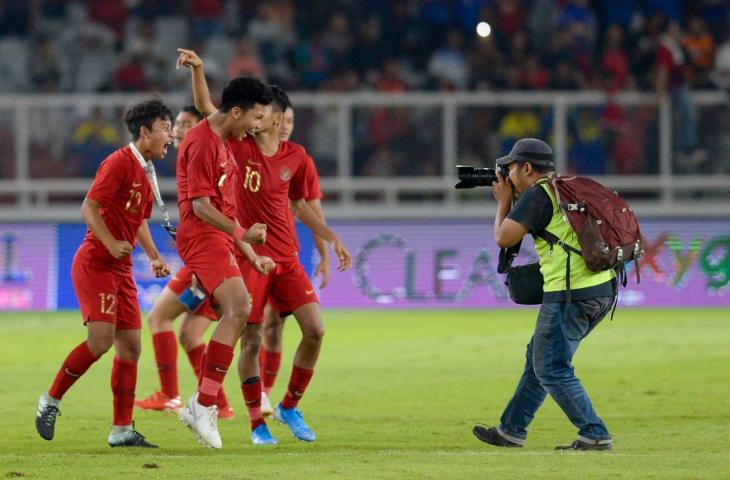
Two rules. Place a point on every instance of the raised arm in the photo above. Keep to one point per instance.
(201, 94)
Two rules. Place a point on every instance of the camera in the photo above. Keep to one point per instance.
(471, 177)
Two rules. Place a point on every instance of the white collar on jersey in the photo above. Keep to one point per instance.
(138, 156)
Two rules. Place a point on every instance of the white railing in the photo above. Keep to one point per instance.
(32, 199)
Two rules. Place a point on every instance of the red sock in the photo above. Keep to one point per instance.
(269, 363)
(221, 400)
(124, 381)
(76, 364)
(196, 359)
(218, 357)
(251, 389)
(165, 345)
(298, 382)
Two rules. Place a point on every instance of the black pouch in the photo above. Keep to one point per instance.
(524, 283)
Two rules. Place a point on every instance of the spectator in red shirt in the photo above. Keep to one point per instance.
(535, 77)
(672, 62)
(246, 61)
(510, 17)
(130, 76)
(111, 13)
(205, 18)
(614, 64)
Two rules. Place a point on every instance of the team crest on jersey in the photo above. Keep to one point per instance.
(285, 174)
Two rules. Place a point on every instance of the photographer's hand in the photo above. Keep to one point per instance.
(502, 191)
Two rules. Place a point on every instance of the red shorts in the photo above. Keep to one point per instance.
(287, 288)
(106, 296)
(211, 261)
(181, 281)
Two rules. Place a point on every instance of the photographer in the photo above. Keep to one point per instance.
(560, 325)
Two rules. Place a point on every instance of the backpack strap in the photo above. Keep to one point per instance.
(552, 239)
(638, 252)
(615, 298)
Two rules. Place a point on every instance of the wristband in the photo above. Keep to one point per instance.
(238, 233)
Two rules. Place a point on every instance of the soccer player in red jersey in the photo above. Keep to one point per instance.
(178, 297)
(207, 232)
(273, 325)
(116, 209)
(273, 177)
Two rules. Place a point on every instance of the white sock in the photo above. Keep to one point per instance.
(50, 400)
(121, 429)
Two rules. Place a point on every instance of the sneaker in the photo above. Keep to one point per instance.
(266, 408)
(587, 444)
(129, 438)
(492, 436)
(292, 417)
(261, 436)
(202, 421)
(45, 419)
(226, 413)
(160, 402)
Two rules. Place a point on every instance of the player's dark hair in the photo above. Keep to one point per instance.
(145, 114)
(281, 99)
(193, 111)
(244, 92)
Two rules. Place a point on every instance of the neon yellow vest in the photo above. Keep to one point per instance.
(553, 259)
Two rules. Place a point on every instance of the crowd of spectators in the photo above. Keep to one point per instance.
(389, 46)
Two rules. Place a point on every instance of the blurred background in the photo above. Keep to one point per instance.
(390, 95)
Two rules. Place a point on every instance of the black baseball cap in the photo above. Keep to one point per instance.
(532, 150)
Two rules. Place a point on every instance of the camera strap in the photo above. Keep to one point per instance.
(507, 256)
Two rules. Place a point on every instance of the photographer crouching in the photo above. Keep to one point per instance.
(564, 320)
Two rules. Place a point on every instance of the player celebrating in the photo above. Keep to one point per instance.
(273, 325)
(115, 210)
(206, 179)
(274, 172)
(173, 302)
(178, 297)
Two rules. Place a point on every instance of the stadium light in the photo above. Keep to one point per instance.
(484, 29)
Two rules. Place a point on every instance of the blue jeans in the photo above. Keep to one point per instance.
(549, 369)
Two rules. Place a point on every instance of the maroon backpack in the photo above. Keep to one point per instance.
(607, 229)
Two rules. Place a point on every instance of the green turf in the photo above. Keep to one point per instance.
(395, 396)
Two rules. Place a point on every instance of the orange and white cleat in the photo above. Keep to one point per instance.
(226, 413)
(160, 402)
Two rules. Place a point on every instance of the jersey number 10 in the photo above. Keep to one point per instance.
(252, 181)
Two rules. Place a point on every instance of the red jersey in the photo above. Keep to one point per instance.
(313, 192)
(266, 186)
(312, 179)
(125, 195)
(205, 168)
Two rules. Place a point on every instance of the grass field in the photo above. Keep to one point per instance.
(395, 396)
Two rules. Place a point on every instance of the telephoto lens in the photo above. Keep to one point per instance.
(471, 177)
